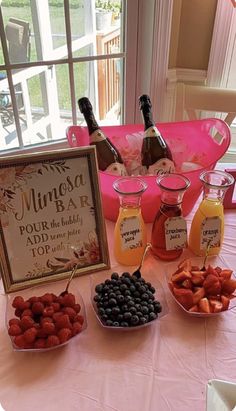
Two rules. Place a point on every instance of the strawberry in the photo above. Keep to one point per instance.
(18, 302)
(48, 311)
(187, 283)
(70, 311)
(77, 307)
(228, 286)
(204, 305)
(225, 302)
(212, 285)
(198, 295)
(211, 271)
(216, 305)
(184, 297)
(27, 312)
(197, 279)
(185, 264)
(226, 274)
(194, 309)
(179, 277)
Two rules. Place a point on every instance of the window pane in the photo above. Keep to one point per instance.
(104, 76)
(8, 136)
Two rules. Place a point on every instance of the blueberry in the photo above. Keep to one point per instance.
(134, 320)
(124, 324)
(108, 282)
(144, 309)
(127, 315)
(108, 311)
(124, 308)
(101, 311)
(153, 290)
(152, 316)
(150, 307)
(133, 310)
(142, 320)
(115, 276)
(131, 303)
(120, 317)
(115, 310)
(123, 287)
(120, 298)
(99, 288)
(126, 274)
(157, 307)
(112, 302)
(109, 323)
(132, 288)
(116, 324)
(145, 297)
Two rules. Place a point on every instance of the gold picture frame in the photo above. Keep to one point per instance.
(51, 217)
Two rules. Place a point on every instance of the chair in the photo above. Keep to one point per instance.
(18, 37)
(192, 100)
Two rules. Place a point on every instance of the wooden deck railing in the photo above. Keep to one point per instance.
(108, 71)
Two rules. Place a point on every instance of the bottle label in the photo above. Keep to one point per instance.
(152, 132)
(116, 169)
(162, 166)
(175, 233)
(96, 136)
(210, 232)
(131, 233)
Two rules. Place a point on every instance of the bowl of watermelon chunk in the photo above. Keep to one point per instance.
(202, 292)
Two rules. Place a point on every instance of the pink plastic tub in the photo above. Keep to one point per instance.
(202, 141)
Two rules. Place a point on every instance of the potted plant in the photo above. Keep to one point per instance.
(103, 14)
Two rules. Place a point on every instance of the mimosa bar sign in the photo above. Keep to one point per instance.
(51, 217)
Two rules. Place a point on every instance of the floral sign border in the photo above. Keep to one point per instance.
(26, 182)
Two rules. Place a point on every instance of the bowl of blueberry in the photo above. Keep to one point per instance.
(125, 301)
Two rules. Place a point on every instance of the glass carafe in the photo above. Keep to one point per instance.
(130, 237)
(169, 230)
(207, 228)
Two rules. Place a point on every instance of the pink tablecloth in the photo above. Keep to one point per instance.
(162, 367)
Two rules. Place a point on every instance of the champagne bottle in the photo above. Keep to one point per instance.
(109, 158)
(155, 153)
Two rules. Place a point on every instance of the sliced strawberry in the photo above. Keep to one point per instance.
(179, 277)
(194, 309)
(228, 286)
(204, 306)
(185, 264)
(212, 285)
(198, 295)
(187, 284)
(226, 274)
(211, 270)
(225, 302)
(216, 305)
(185, 297)
(197, 279)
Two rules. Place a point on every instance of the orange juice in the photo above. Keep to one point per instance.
(130, 236)
(208, 208)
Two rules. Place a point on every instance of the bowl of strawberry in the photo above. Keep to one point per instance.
(38, 319)
(202, 291)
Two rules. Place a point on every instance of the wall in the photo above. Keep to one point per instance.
(191, 33)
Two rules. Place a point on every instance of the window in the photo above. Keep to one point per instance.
(52, 53)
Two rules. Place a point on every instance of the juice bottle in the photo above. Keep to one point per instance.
(130, 236)
(207, 228)
(169, 230)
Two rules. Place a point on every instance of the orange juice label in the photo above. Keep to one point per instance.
(175, 233)
(131, 233)
(210, 232)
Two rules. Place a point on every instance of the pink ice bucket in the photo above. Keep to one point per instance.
(200, 142)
